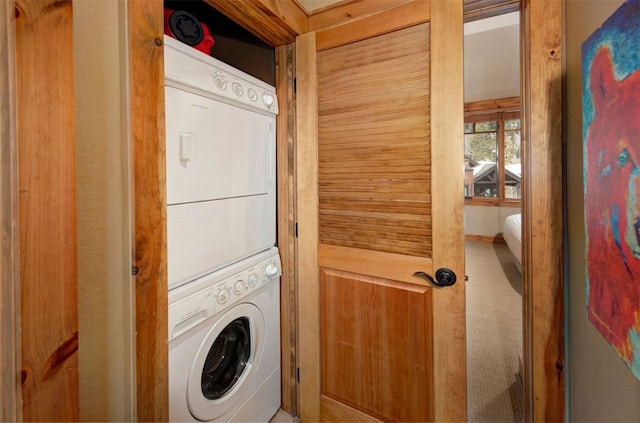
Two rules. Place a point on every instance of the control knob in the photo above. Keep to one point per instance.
(267, 99)
(238, 287)
(220, 82)
(271, 271)
(252, 280)
(223, 295)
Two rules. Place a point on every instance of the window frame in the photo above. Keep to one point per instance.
(495, 110)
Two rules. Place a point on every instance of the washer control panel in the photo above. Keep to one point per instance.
(195, 302)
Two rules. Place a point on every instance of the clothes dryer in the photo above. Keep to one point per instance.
(220, 163)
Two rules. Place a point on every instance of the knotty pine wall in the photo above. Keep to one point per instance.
(47, 215)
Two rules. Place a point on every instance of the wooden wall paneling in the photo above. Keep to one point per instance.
(10, 388)
(542, 202)
(147, 130)
(46, 164)
(307, 219)
(285, 67)
(361, 317)
(447, 123)
(403, 15)
(276, 22)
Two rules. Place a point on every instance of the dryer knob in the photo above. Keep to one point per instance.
(271, 271)
(223, 295)
(267, 99)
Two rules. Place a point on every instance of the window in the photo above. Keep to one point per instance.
(492, 157)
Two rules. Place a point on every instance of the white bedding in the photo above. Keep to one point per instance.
(513, 236)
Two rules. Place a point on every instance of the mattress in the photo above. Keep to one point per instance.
(513, 236)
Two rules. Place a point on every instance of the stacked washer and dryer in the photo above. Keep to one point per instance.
(223, 266)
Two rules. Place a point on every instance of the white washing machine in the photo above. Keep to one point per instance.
(224, 344)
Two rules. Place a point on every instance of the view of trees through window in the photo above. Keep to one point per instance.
(492, 158)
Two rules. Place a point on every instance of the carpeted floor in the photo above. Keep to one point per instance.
(494, 334)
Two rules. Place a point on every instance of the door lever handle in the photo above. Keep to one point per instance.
(444, 277)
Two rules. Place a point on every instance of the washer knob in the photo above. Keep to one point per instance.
(238, 287)
(252, 280)
(271, 271)
(223, 295)
(253, 96)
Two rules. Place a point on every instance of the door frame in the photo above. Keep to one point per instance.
(11, 391)
(544, 357)
(542, 246)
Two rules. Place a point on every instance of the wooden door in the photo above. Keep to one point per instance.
(380, 197)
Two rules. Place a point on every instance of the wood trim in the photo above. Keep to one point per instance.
(307, 208)
(147, 130)
(381, 22)
(285, 66)
(276, 22)
(542, 202)
(489, 239)
(334, 411)
(398, 267)
(450, 390)
(482, 9)
(10, 384)
(342, 13)
(47, 203)
(492, 106)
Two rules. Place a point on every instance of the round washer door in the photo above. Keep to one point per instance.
(222, 373)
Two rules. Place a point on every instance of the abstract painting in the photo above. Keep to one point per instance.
(611, 141)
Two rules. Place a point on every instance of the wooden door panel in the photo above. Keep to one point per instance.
(379, 199)
(373, 144)
(376, 345)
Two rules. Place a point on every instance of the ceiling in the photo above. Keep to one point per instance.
(311, 6)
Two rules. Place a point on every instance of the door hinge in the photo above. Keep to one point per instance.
(298, 374)
(135, 270)
(296, 229)
(295, 85)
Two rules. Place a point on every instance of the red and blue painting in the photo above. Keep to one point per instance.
(611, 141)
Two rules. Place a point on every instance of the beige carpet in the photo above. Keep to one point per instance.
(494, 334)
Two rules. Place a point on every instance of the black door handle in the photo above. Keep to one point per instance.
(444, 277)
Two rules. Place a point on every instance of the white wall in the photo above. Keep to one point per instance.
(492, 58)
(104, 247)
(600, 387)
(485, 220)
(491, 70)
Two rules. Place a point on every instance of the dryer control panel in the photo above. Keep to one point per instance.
(202, 298)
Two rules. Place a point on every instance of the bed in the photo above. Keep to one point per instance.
(513, 237)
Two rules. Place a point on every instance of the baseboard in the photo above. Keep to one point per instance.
(491, 239)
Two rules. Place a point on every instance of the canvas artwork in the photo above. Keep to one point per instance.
(611, 137)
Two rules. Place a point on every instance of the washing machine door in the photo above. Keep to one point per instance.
(222, 375)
